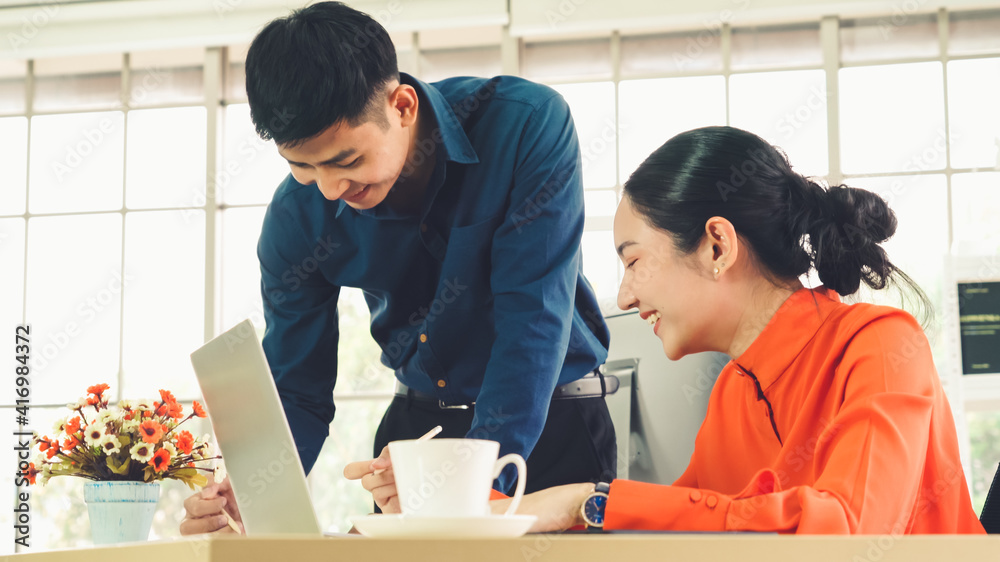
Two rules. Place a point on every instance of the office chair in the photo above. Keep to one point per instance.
(990, 517)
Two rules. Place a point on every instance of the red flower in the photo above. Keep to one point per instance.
(93, 400)
(166, 396)
(199, 410)
(151, 431)
(160, 460)
(31, 473)
(97, 389)
(70, 443)
(45, 443)
(185, 442)
(175, 410)
(72, 426)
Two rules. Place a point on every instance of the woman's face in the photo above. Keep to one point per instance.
(670, 290)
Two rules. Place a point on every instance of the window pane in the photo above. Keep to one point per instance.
(698, 101)
(984, 434)
(975, 208)
(12, 280)
(78, 82)
(593, 108)
(588, 58)
(900, 35)
(973, 114)
(174, 76)
(74, 302)
(482, 61)
(600, 202)
(236, 76)
(788, 109)
(973, 33)
(12, 73)
(240, 284)
(878, 128)
(352, 434)
(164, 310)
(920, 244)
(359, 368)
(600, 263)
(76, 162)
(671, 53)
(251, 168)
(13, 164)
(764, 47)
(166, 158)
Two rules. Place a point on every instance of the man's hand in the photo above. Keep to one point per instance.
(557, 508)
(377, 477)
(205, 511)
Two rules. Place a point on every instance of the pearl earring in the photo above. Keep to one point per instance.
(717, 272)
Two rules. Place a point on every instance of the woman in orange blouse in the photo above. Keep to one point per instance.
(830, 418)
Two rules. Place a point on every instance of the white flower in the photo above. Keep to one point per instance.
(94, 433)
(220, 472)
(106, 415)
(110, 444)
(126, 404)
(45, 474)
(142, 451)
(81, 403)
(131, 426)
(170, 449)
(59, 425)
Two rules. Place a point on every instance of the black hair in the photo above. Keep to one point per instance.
(791, 223)
(322, 65)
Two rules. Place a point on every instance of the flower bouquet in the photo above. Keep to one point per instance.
(139, 441)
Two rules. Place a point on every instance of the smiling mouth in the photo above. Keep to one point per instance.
(358, 194)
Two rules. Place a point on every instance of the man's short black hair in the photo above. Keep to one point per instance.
(321, 65)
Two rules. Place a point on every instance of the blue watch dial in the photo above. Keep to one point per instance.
(594, 509)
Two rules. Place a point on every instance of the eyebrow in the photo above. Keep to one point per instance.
(623, 245)
(343, 154)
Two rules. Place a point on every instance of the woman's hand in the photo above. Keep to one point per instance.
(378, 478)
(557, 508)
(205, 511)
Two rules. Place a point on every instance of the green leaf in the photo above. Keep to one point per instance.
(121, 469)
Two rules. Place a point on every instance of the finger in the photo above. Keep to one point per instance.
(384, 495)
(210, 491)
(202, 525)
(383, 461)
(359, 469)
(392, 506)
(204, 508)
(373, 481)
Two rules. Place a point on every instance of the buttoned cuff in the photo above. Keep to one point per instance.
(643, 506)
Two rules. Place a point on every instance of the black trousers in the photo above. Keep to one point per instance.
(577, 443)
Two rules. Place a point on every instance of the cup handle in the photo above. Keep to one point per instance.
(522, 476)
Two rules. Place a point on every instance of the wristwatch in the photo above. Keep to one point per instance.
(593, 507)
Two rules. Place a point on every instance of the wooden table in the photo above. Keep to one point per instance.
(549, 548)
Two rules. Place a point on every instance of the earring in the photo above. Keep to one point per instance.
(717, 273)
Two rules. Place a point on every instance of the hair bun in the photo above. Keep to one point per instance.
(845, 226)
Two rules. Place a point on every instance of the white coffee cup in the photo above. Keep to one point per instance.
(451, 477)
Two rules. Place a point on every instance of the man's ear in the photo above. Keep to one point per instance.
(403, 104)
(721, 247)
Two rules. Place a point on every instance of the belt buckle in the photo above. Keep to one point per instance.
(444, 406)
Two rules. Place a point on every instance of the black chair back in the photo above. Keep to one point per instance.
(990, 517)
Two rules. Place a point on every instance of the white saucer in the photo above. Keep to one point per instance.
(490, 526)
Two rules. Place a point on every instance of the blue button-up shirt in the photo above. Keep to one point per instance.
(479, 296)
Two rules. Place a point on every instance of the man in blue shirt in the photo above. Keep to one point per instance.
(457, 207)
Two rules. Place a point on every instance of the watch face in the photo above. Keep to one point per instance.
(593, 510)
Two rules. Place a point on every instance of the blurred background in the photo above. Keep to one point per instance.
(132, 184)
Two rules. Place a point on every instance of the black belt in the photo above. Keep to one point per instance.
(593, 385)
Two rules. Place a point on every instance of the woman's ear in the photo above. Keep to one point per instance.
(721, 247)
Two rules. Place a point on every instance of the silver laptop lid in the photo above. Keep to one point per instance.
(253, 434)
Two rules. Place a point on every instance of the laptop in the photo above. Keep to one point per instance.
(253, 435)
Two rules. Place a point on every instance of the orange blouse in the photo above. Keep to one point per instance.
(833, 421)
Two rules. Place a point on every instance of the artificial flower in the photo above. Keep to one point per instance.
(94, 433)
(110, 444)
(185, 442)
(72, 426)
(160, 460)
(141, 451)
(199, 410)
(151, 431)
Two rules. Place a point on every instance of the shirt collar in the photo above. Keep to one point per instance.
(787, 333)
(453, 143)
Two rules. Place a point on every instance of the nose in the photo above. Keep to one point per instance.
(332, 187)
(626, 299)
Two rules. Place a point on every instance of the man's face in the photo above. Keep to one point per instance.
(357, 164)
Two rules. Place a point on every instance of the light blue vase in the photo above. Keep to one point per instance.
(121, 511)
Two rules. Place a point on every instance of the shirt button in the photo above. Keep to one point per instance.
(695, 496)
(423, 338)
(441, 383)
(711, 502)
(423, 227)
